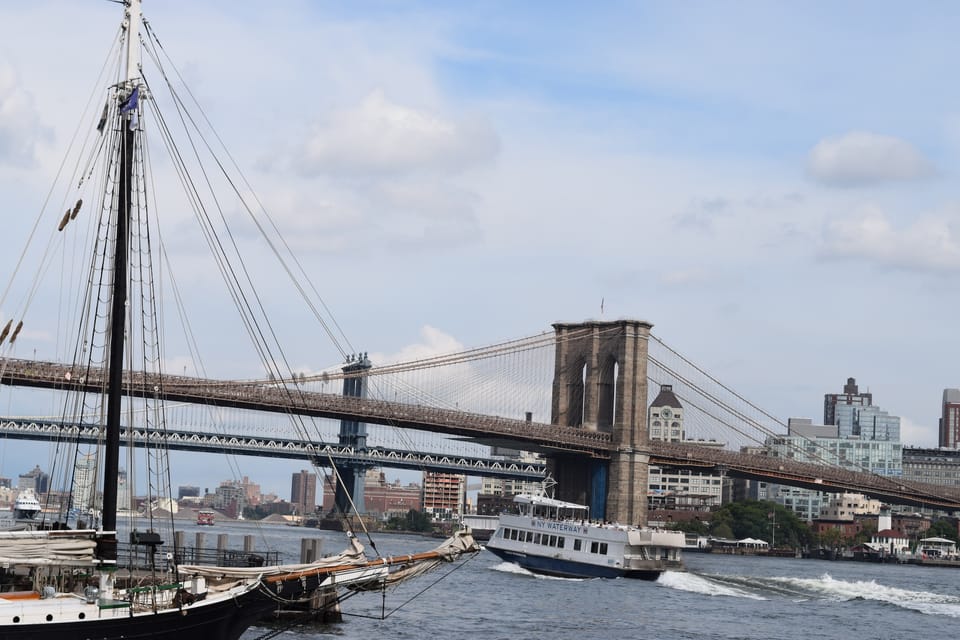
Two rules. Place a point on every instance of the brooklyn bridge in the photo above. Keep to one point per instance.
(595, 439)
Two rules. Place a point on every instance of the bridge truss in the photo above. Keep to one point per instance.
(320, 454)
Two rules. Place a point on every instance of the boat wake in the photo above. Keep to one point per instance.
(824, 587)
(510, 567)
(705, 585)
(842, 590)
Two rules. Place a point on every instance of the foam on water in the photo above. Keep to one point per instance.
(923, 601)
(510, 567)
(694, 583)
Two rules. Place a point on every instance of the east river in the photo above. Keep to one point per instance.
(719, 597)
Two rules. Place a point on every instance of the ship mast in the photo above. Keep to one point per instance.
(128, 112)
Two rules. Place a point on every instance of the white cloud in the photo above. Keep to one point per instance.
(861, 157)
(381, 137)
(932, 243)
(433, 342)
(18, 120)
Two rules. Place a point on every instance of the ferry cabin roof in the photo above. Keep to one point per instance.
(549, 508)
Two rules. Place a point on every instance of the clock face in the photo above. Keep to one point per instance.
(666, 413)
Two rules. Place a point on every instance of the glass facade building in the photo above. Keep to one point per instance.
(866, 423)
(875, 456)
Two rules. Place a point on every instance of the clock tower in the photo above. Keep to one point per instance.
(665, 416)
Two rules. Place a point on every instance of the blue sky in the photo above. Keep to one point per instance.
(772, 185)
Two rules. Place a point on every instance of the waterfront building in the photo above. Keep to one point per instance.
(444, 494)
(303, 492)
(933, 466)
(950, 419)
(509, 487)
(805, 503)
(35, 480)
(251, 491)
(890, 542)
(678, 488)
(847, 528)
(187, 491)
(230, 498)
(383, 500)
(846, 506)
(824, 444)
(884, 457)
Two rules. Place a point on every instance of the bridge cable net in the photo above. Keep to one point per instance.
(713, 412)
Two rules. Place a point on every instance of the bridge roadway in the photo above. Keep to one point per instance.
(281, 398)
(273, 397)
(271, 447)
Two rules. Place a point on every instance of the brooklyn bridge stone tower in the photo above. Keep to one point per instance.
(600, 384)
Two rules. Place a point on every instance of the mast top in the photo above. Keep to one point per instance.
(132, 23)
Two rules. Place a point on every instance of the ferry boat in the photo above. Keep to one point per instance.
(205, 518)
(23, 515)
(557, 538)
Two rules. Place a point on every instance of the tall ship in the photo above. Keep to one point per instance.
(105, 579)
(557, 538)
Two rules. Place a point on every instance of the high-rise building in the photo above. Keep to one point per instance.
(124, 492)
(35, 479)
(851, 396)
(303, 492)
(950, 419)
(252, 489)
(231, 498)
(84, 481)
(824, 444)
(444, 494)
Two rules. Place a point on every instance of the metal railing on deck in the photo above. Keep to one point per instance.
(139, 557)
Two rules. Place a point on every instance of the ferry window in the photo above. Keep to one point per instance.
(593, 546)
(529, 536)
(603, 548)
(553, 541)
(577, 543)
(536, 538)
(513, 534)
(560, 542)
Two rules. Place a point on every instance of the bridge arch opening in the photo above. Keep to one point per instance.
(607, 393)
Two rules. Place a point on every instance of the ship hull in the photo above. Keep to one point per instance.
(224, 619)
(558, 567)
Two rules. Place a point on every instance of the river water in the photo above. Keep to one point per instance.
(719, 597)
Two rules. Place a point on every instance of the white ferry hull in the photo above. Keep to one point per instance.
(561, 568)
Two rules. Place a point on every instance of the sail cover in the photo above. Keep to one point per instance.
(37, 548)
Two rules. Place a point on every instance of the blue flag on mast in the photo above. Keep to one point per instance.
(131, 102)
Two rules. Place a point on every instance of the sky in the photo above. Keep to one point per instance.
(772, 185)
